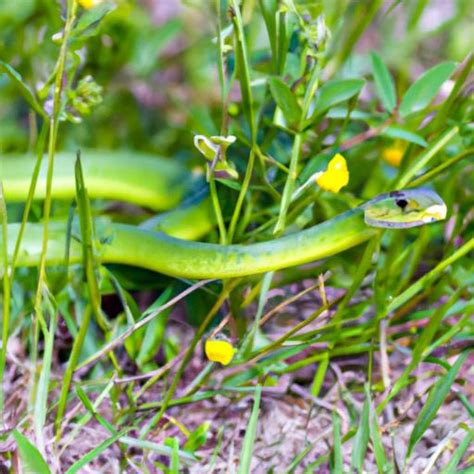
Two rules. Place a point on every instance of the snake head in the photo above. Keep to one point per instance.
(405, 208)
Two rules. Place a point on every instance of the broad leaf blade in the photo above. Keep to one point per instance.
(425, 88)
(398, 132)
(336, 91)
(90, 20)
(31, 460)
(285, 100)
(384, 83)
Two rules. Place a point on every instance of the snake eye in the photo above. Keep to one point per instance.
(401, 203)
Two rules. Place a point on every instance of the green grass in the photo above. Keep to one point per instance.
(103, 365)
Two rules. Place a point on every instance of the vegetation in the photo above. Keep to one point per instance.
(234, 122)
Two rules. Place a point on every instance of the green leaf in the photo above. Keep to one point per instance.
(90, 20)
(40, 408)
(269, 10)
(174, 468)
(197, 438)
(27, 93)
(337, 444)
(320, 375)
(250, 433)
(425, 88)
(423, 340)
(160, 449)
(424, 158)
(229, 183)
(285, 100)
(82, 395)
(30, 458)
(243, 67)
(458, 454)
(462, 75)
(361, 440)
(435, 399)
(154, 331)
(374, 431)
(92, 454)
(336, 91)
(398, 132)
(384, 83)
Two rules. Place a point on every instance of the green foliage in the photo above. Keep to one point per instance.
(334, 92)
(295, 83)
(250, 434)
(435, 399)
(384, 83)
(30, 458)
(286, 100)
(361, 440)
(27, 93)
(425, 88)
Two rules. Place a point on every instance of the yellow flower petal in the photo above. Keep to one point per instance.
(393, 154)
(219, 351)
(88, 4)
(336, 175)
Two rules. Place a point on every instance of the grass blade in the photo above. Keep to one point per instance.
(6, 296)
(458, 454)
(361, 440)
(41, 401)
(428, 278)
(95, 452)
(249, 440)
(420, 347)
(383, 464)
(299, 458)
(161, 449)
(435, 399)
(424, 158)
(337, 444)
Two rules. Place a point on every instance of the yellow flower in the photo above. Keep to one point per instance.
(88, 4)
(394, 153)
(219, 351)
(336, 175)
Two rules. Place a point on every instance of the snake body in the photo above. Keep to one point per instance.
(160, 252)
(146, 180)
(177, 257)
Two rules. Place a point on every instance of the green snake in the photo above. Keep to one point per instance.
(108, 177)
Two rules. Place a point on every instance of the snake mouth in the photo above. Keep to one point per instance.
(436, 212)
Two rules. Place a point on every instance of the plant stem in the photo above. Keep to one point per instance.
(295, 152)
(289, 185)
(41, 399)
(247, 101)
(197, 337)
(6, 301)
(241, 197)
(217, 209)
